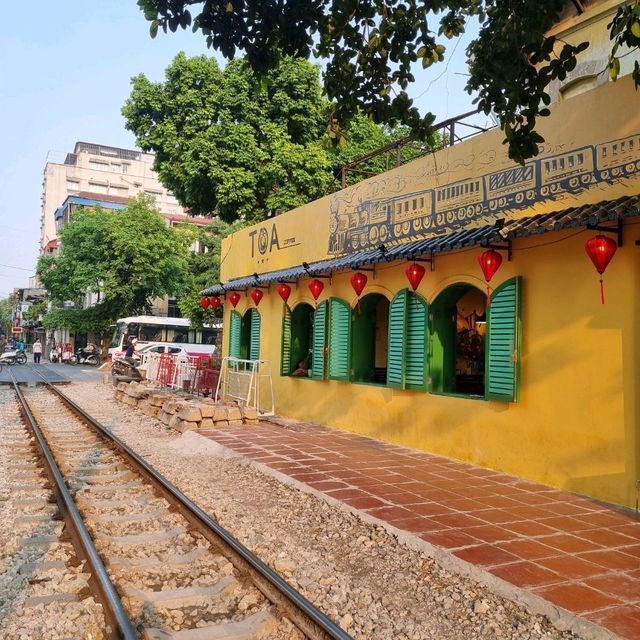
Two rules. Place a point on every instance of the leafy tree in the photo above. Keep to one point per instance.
(229, 144)
(204, 269)
(126, 257)
(370, 48)
(6, 307)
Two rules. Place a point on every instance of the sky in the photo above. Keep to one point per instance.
(65, 74)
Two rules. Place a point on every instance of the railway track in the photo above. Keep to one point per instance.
(158, 566)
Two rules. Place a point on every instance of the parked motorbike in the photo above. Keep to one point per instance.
(85, 356)
(13, 356)
(123, 367)
(54, 356)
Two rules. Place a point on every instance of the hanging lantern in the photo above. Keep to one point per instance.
(256, 296)
(284, 291)
(415, 273)
(214, 303)
(234, 298)
(489, 262)
(358, 282)
(601, 249)
(204, 303)
(316, 286)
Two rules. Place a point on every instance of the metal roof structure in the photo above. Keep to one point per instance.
(108, 202)
(501, 231)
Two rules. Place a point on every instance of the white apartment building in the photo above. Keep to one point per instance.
(100, 170)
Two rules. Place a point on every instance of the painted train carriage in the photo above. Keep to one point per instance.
(376, 221)
(567, 172)
(511, 188)
(618, 158)
(392, 219)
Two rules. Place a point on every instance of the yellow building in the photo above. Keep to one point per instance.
(542, 380)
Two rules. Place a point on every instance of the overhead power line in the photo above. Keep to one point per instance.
(10, 266)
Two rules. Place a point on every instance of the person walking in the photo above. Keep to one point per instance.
(37, 351)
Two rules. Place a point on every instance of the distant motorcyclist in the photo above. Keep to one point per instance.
(131, 348)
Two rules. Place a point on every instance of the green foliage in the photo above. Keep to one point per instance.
(624, 30)
(203, 270)
(228, 143)
(6, 307)
(127, 257)
(371, 48)
(232, 144)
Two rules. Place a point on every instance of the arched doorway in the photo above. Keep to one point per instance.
(369, 339)
(458, 331)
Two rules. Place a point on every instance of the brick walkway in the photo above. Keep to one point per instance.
(574, 552)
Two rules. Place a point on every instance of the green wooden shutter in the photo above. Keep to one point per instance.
(254, 344)
(415, 356)
(285, 354)
(235, 322)
(319, 341)
(503, 342)
(396, 350)
(339, 339)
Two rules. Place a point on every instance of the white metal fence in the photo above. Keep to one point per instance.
(247, 382)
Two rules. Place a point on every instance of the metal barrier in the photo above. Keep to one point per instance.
(193, 374)
(247, 382)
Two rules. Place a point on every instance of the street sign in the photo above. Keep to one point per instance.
(16, 329)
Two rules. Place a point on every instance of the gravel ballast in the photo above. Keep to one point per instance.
(376, 586)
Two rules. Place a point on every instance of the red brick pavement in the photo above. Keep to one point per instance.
(574, 552)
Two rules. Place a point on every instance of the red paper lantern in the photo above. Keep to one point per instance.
(316, 287)
(601, 249)
(490, 262)
(284, 291)
(215, 302)
(256, 296)
(234, 298)
(204, 303)
(358, 282)
(415, 273)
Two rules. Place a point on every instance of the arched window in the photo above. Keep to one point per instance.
(297, 339)
(475, 349)
(369, 337)
(458, 334)
(408, 339)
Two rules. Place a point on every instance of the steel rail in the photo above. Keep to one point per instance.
(310, 620)
(119, 625)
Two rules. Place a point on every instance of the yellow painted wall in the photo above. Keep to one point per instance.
(576, 424)
(582, 127)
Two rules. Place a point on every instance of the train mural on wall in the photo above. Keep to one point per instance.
(392, 219)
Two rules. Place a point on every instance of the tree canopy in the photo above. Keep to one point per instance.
(126, 257)
(230, 144)
(6, 308)
(371, 47)
(203, 269)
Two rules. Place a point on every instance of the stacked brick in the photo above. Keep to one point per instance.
(180, 411)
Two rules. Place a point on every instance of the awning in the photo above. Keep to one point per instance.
(499, 232)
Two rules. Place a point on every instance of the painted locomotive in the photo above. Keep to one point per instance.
(402, 217)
